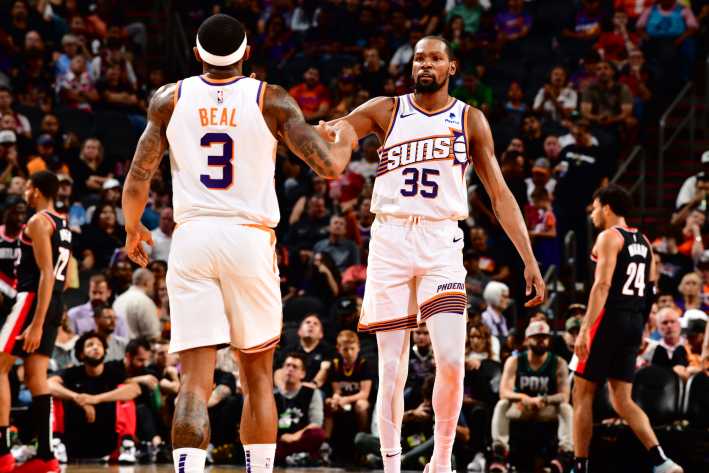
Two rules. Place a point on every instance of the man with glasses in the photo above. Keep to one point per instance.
(105, 318)
(582, 168)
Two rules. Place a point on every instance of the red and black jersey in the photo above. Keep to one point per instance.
(9, 251)
(631, 276)
(27, 270)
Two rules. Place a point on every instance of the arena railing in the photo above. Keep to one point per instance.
(551, 280)
(664, 144)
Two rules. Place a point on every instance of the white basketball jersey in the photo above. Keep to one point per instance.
(423, 162)
(222, 152)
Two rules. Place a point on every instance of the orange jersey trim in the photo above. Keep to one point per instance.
(262, 93)
(219, 81)
(264, 345)
(177, 92)
(413, 102)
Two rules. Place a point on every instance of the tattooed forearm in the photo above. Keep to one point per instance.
(190, 427)
(153, 143)
(304, 140)
(556, 399)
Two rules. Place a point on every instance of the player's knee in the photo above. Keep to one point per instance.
(362, 405)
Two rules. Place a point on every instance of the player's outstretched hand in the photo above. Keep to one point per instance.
(534, 278)
(341, 128)
(134, 246)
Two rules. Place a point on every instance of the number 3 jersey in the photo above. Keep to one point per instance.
(222, 153)
(27, 270)
(423, 162)
(631, 276)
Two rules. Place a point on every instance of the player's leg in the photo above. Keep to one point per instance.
(36, 381)
(191, 430)
(583, 394)
(259, 418)
(7, 461)
(448, 340)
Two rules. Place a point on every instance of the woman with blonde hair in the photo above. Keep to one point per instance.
(91, 171)
(691, 288)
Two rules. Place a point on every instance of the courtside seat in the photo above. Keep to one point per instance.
(658, 391)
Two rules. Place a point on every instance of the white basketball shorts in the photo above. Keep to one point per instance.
(415, 270)
(224, 286)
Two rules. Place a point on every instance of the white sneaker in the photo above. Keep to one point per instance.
(478, 463)
(127, 455)
(59, 450)
(210, 457)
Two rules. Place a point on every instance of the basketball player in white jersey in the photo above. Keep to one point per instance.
(222, 276)
(415, 270)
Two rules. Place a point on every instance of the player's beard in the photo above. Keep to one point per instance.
(431, 88)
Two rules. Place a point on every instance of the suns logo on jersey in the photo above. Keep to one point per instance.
(436, 148)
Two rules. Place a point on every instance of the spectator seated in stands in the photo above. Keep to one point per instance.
(702, 268)
(111, 194)
(515, 107)
(75, 88)
(534, 387)
(300, 415)
(403, 55)
(609, 105)
(118, 96)
(46, 158)
(694, 332)
(163, 367)
(417, 438)
(674, 265)
(369, 164)
(33, 84)
(475, 280)
(8, 154)
(351, 380)
(555, 101)
(616, 45)
(317, 353)
(492, 261)
(81, 318)
(346, 187)
(692, 192)
(309, 229)
(347, 311)
(91, 171)
(469, 11)
(345, 252)
(138, 306)
(691, 290)
(112, 52)
(96, 414)
(121, 274)
(668, 20)
(587, 23)
(497, 296)
(147, 411)
(551, 150)
(105, 318)
(162, 237)
(70, 46)
(513, 24)
(637, 80)
(63, 355)
(672, 350)
(473, 92)
(563, 345)
(312, 97)
(480, 345)
(322, 278)
(100, 240)
(321, 41)
(586, 74)
(161, 197)
(277, 42)
(22, 124)
(693, 220)
(224, 410)
(543, 234)
(533, 138)
(373, 72)
(541, 178)
(421, 363)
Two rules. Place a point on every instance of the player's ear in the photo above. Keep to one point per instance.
(247, 53)
(453, 68)
(196, 54)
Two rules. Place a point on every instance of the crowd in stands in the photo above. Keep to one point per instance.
(568, 87)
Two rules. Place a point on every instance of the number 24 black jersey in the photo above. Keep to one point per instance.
(631, 277)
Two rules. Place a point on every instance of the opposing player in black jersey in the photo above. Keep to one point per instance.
(610, 336)
(15, 209)
(30, 329)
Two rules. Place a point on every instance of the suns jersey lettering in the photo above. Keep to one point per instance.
(222, 153)
(423, 162)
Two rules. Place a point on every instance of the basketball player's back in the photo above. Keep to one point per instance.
(222, 260)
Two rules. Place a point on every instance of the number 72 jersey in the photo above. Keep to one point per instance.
(423, 162)
(631, 277)
(27, 269)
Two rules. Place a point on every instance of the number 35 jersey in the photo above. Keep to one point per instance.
(423, 162)
(631, 276)
(222, 153)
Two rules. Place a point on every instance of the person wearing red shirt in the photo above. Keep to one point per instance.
(313, 98)
(616, 45)
(346, 187)
(634, 77)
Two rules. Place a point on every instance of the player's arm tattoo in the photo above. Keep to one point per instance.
(153, 142)
(303, 139)
(190, 427)
(562, 383)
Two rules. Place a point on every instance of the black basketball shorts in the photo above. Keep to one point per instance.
(21, 316)
(614, 347)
